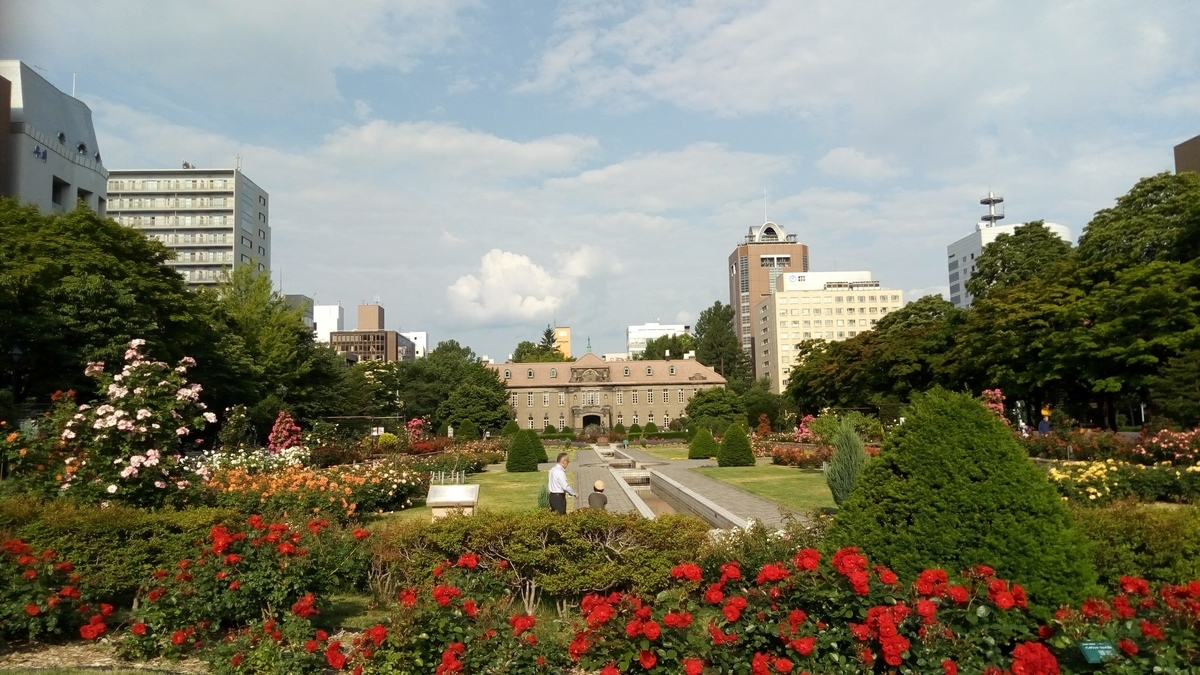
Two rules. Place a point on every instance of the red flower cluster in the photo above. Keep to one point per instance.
(881, 624)
(853, 565)
(443, 594)
(687, 572)
(1032, 658)
(305, 607)
(468, 560)
(762, 664)
(450, 659)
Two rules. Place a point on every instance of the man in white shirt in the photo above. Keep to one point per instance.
(559, 488)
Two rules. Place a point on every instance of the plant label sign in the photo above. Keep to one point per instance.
(1097, 651)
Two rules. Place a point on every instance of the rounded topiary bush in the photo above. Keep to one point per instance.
(735, 448)
(522, 457)
(651, 428)
(951, 488)
(511, 429)
(467, 431)
(619, 428)
(443, 431)
(635, 429)
(702, 445)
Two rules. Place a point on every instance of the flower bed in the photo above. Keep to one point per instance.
(39, 595)
(807, 455)
(1099, 483)
(338, 491)
(1178, 448)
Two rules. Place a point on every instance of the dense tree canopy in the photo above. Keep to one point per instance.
(1030, 252)
(667, 346)
(718, 347)
(545, 351)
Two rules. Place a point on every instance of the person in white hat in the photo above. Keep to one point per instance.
(598, 500)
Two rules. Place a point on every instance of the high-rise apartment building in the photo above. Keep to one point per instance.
(766, 252)
(962, 254)
(49, 156)
(1187, 156)
(637, 336)
(215, 220)
(829, 306)
(326, 320)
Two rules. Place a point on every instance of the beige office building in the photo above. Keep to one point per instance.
(562, 340)
(815, 306)
(766, 252)
(593, 391)
(371, 341)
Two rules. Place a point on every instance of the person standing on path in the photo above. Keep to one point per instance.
(598, 500)
(559, 487)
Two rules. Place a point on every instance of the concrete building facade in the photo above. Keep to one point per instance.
(420, 341)
(592, 391)
(637, 336)
(1187, 156)
(306, 307)
(49, 156)
(215, 220)
(326, 320)
(370, 340)
(766, 252)
(962, 254)
(830, 306)
(562, 340)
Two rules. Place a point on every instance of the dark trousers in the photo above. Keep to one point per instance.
(558, 502)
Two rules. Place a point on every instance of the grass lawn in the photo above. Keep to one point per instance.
(798, 489)
(498, 491)
(663, 451)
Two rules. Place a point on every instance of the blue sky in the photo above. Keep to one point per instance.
(486, 168)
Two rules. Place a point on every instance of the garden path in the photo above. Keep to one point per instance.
(589, 468)
(741, 503)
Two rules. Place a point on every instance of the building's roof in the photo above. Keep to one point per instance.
(39, 104)
(591, 369)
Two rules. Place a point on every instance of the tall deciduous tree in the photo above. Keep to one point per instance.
(1030, 252)
(718, 347)
(658, 348)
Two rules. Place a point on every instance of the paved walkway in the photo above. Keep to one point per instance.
(741, 503)
(589, 468)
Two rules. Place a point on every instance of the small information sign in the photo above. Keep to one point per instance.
(1097, 651)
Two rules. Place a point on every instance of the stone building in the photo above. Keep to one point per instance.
(591, 391)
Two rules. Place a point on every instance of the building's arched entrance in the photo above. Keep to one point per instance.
(589, 420)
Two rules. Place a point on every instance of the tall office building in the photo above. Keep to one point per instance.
(420, 341)
(215, 220)
(562, 340)
(371, 341)
(830, 306)
(637, 336)
(327, 319)
(48, 151)
(1187, 156)
(961, 255)
(305, 305)
(766, 252)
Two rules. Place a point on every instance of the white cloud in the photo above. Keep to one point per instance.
(362, 110)
(855, 164)
(511, 287)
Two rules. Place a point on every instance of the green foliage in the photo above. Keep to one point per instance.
(545, 351)
(715, 425)
(38, 595)
(1175, 391)
(1032, 251)
(466, 431)
(717, 402)
(657, 349)
(387, 442)
(867, 426)
(619, 428)
(951, 488)
(1155, 543)
(543, 498)
(522, 456)
(539, 448)
(702, 445)
(849, 459)
(485, 406)
(443, 430)
(549, 430)
(511, 429)
(735, 448)
(565, 557)
(718, 346)
(651, 428)
(235, 427)
(758, 400)
(635, 429)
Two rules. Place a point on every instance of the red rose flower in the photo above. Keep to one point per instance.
(32, 610)
(803, 645)
(178, 637)
(334, 656)
(647, 658)
(693, 666)
(470, 608)
(783, 665)
(687, 571)
(138, 628)
(807, 559)
(949, 667)
(1128, 646)
(651, 630)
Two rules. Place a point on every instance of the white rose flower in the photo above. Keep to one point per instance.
(112, 489)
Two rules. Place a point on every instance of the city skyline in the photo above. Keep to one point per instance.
(486, 171)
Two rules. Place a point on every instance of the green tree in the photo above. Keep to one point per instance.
(849, 459)
(1175, 391)
(535, 442)
(466, 431)
(425, 384)
(511, 429)
(718, 346)
(735, 448)
(651, 428)
(545, 351)
(483, 406)
(657, 349)
(758, 400)
(952, 488)
(716, 402)
(521, 457)
(1032, 251)
(702, 445)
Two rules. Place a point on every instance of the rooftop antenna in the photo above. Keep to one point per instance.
(239, 161)
(990, 201)
(377, 298)
(765, 205)
(72, 84)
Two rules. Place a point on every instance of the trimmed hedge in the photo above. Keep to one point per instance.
(735, 448)
(849, 459)
(1160, 544)
(650, 428)
(952, 488)
(703, 446)
(539, 448)
(522, 457)
(511, 429)
(586, 551)
(113, 548)
(467, 431)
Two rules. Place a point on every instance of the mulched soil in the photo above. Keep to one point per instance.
(98, 655)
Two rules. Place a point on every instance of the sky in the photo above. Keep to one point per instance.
(488, 168)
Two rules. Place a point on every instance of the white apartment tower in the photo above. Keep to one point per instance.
(420, 342)
(637, 336)
(961, 255)
(48, 151)
(214, 219)
(829, 306)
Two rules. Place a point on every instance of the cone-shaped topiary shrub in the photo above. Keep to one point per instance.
(444, 430)
(951, 488)
(735, 448)
(522, 456)
(847, 462)
(539, 449)
(702, 445)
(511, 429)
(467, 431)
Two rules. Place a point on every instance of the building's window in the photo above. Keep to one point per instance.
(246, 258)
(895, 298)
(627, 371)
(529, 374)
(262, 251)
(545, 399)
(783, 312)
(862, 298)
(553, 372)
(247, 242)
(262, 200)
(633, 396)
(507, 375)
(545, 420)
(838, 299)
(620, 418)
(666, 394)
(562, 422)
(649, 396)
(562, 399)
(635, 418)
(650, 417)
(512, 400)
(529, 400)
(620, 397)
(853, 333)
(681, 396)
(872, 298)
(531, 421)
(649, 370)
(262, 234)
(672, 370)
(807, 335)
(841, 334)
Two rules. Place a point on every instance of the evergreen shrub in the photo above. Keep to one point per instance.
(522, 457)
(735, 448)
(847, 462)
(635, 429)
(539, 449)
(1155, 543)
(703, 446)
(952, 488)
(549, 430)
(511, 429)
(651, 428)
(467, 431)
(619, 428)
(443, 431)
